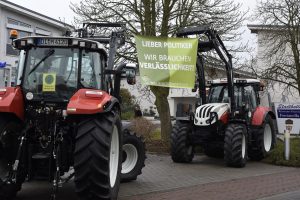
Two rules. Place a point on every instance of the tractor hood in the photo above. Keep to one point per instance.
(208, 114)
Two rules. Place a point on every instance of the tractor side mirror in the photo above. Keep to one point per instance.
(261, 88)
(262, 85)
(130, 71)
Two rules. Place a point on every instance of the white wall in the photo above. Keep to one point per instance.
(143, 95)
(4, 14)
(277, 91)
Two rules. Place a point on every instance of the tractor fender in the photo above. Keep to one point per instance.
(260, 114)
(88, 101)
(12, 101)
(113, 104)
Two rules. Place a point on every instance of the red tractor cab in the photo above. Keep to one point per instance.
(64, 114)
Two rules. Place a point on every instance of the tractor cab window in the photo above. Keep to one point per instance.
(250, 97)
(54, 72)
(219, 94)
(242, 95)
(51, 70)
(91, 70)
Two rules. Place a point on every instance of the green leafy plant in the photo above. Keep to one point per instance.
(127, 115)
(277, 154)
(128, 104)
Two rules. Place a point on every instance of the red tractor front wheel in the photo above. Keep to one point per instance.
(235, 145)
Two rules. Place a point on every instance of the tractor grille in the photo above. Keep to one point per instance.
(204, 111)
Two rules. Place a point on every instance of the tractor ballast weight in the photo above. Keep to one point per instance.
(229, 122)
(65, 112)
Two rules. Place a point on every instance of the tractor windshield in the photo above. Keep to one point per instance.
(54, 72)
(219, 94)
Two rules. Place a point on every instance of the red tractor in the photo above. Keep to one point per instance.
(64, 114)
(230, 122)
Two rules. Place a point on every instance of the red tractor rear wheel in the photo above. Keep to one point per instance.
(263, 140)
(98, 157)
(134, 155)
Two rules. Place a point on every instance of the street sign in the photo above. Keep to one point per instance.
(288, 117)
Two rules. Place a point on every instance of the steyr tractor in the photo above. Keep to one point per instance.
(229, 122)
(62, 119)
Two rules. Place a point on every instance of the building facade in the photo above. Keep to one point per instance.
(27, 23)
(278, 92)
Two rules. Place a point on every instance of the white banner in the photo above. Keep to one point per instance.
(288, 117)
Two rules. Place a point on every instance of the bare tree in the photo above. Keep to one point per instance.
(280, 36)
(162, 18)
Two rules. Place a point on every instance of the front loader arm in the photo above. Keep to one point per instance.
(214, 42)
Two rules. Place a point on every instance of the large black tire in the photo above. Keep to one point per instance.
(134, 156)
(9, 144)
(235, 145)
(182, 150)
(214, 150)
(263, 140)
(98, 140)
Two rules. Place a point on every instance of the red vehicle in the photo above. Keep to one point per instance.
(65, 112)
(230, 123)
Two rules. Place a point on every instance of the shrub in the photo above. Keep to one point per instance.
(143, 127)
(127, 115)
(276, 156)
(128, 103)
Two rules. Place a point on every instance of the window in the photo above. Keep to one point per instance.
(250, 96)
(91, 70)
(62, 63)
(17, 23)
(219, 94)
(42, 32)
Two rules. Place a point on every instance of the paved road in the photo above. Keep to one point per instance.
(205, 178)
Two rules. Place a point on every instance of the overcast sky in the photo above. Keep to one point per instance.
(59, 9)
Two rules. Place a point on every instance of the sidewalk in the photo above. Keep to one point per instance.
(239, 189)
(295, 195)
(203, 179)
(209, 179)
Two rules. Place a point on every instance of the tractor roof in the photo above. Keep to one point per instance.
(57, 41)
(236, 80)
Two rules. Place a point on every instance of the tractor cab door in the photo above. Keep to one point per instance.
(249, 100)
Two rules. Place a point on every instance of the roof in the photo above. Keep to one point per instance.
(235, 71)
(235, 80)
(31, 39)
(30, 13)
(254, 28)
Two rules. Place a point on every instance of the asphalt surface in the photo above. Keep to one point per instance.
(205, 178)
